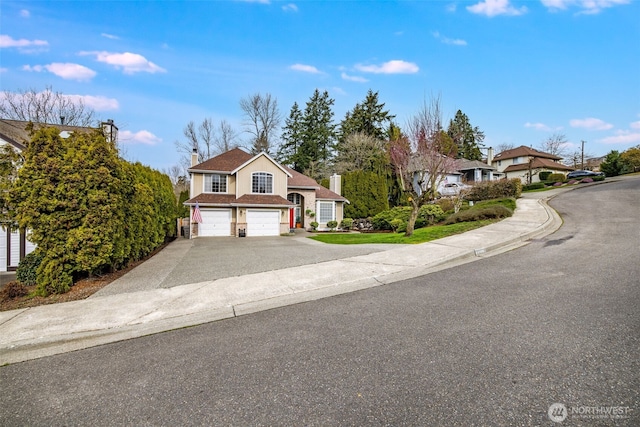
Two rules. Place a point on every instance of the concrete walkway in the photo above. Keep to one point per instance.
(52, 329)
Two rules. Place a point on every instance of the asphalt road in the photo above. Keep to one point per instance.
(493, 342)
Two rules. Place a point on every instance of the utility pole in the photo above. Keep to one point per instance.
(582, 161)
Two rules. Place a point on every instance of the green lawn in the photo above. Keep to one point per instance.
(420, 235)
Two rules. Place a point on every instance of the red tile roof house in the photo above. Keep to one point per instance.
(239, 194)
(526, 163)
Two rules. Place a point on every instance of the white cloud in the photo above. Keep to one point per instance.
(635, 125)
(305, 68)
(493, 8)
(589, 7)
(290, 7)
(8, 41)
(358, 79)
(98, 103)
(110, 36)
(447, 40)
(141, 137)
(590, 124)
(622, 137)
(24, 13)
(451, 7)
(130, 63)
(67, 71)
(3, 70)
(390, 67)
(538, 126)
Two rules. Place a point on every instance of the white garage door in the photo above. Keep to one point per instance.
(263, 223)
(215, 222)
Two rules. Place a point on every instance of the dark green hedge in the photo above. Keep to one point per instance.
(88, 210)
(488, 190)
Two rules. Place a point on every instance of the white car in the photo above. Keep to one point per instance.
(453, 188)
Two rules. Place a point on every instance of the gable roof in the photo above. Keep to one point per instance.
(231, 161)
(539, 163)
(464, 164)
(303, 182)
(524, 151)
(14, 131)
(225, 162)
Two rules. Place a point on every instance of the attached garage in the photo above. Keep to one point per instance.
(263, 222)
(215, 222)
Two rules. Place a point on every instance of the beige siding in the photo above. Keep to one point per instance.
(339, 212)
(197, 184)
(231, 184)
(262, 164)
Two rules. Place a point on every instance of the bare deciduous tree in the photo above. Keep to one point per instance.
(504, 147)
(555, 144)
(226, 139)
(46, 106)
(422, 159)
(206, 140)
(262, 120)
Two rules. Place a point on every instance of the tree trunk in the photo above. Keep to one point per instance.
(412, 219)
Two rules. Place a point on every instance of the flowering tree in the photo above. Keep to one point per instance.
(421, 158)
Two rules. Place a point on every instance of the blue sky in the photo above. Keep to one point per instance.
(520, 70)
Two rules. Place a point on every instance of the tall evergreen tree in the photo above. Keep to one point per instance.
(467, 138)
(318, 133)
(292, 139)
(369, 118)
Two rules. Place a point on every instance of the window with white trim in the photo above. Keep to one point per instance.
(215, 183)
(262, 183)
(326, 212)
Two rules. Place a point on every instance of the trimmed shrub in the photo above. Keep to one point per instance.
(13, 290)
(427, 215)
(346, 224)
(398, 225)
(488, 190)
(446, 204)
(533, 186)
(557, 177)
(26, 273)
(490, 212)
(544, 175)
(332, 225)
(314, 225)
(597, 178)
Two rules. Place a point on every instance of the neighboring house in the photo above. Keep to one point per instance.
(14, 245)
(476, 171)
(241, 194)
(526, 163)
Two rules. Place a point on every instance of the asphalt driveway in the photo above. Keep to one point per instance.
(203, 259)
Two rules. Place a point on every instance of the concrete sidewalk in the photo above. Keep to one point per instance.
(52, 329)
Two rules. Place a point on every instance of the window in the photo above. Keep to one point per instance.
(518, 160)
(262, 182)
(326, 212)
(214, 183)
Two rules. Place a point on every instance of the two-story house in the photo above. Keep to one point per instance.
(240, 194)
(526, 163)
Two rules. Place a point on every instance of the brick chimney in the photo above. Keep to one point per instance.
(335, 184)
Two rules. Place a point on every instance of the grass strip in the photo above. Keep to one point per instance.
(420, 235)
